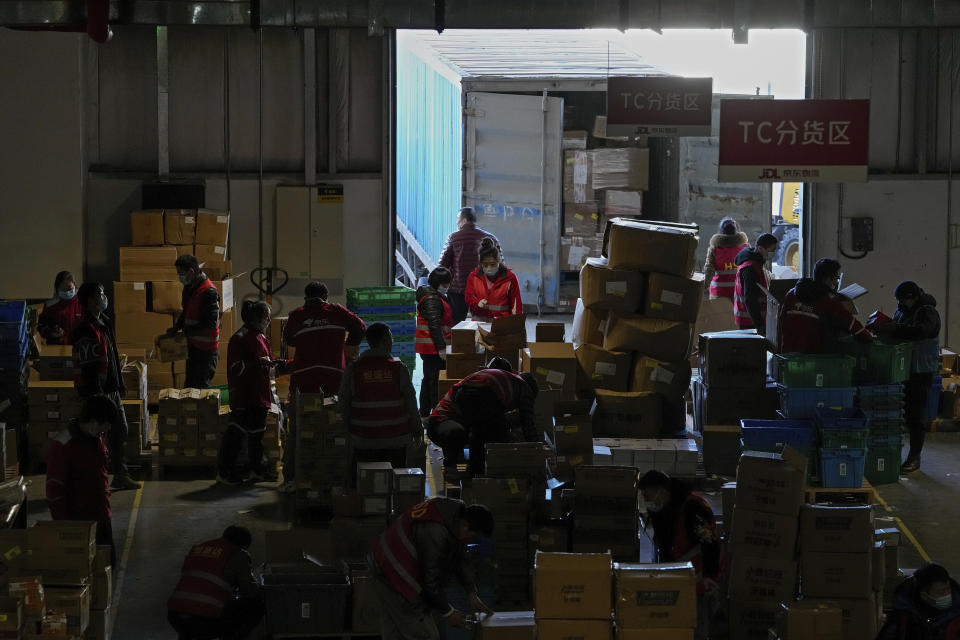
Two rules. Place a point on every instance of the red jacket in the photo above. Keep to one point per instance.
(810, 319)
(248, 374)
(95, 358)
(395, 554)
(429, 330)
(746, 295)
(683, 548)
(203, 589)
(460, 254)
(77, 484)
(725, 275)
(62, 314)
(196, 312)
(378, 409)
(502, 294)
(319, 330)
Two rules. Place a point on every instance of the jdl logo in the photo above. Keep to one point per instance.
(769, 174)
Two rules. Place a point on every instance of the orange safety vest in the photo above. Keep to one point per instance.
(423, 342)
(741, 316)
(685, 550)
(209, 340)
(725, 276)
(203, 589)
(395, 554)
(377, 409)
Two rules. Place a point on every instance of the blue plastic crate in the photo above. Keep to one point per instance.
(772, 435)
(13, 320)
(846, 418)
(399, 348)
(802, 403)
(842, 468)
(399, 327)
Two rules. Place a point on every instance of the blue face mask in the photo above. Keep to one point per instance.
(492, 271)
(102, 303)
(443, 290)
(942, 603)
(67, 295)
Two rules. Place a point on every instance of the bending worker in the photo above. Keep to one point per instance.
(749, 302)
(200, 322)
(493, 290)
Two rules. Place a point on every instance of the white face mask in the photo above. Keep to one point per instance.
(443, 290)
(67, 295)
(492, 271)
(652, 507)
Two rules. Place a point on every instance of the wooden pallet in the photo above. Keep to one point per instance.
(864, 495)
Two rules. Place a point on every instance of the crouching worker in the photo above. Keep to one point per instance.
(414, 559)
(925, 606)
(217, 596)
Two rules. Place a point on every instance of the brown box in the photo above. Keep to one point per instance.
(721, 448)
(627, 204)
(572, 586)
(212, 227)
(751, 619)
(171, 348)
(654, 634)
(209, 253)
(601, 287)
(601, 369)
(835, 529)
(582, 177)
(129, 297)
(859, 616)
(588, 325)
(648, 246)
(836, 575)
(99, 628)
(771, 482)
(62, 551)
(628, 414)
(460, 365)
(655, 595)
(661, 339)
(508, 625)
(55, 362)
(763, 578)
(101, 588)
(802, 621)
(409, 480)
(573, 629)
(509, 332)
(374, 478)
(218, 270)
(141, 264)
(102, 558)
(14, 548)
(464, 335)
(732, 359)
(54, 394)
(627, 168)
(165, 297)
(574, 139)
(179, 226)
(553, 364)
(762, 535)
(444, 384)
(673, 298)
(74, 602)
(576, 249)
(11, 617)
(580, 219)
(550, 331)
(141, 329)
(669, 379)
(146, 228)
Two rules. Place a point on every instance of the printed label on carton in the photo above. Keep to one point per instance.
(605, 369)
(139, 286)
(618, 288)
(556, 377)
(671, 297)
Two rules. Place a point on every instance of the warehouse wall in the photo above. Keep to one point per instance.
(41, 163)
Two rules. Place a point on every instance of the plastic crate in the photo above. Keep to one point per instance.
(380, 296)
(13, 318)
(385, 310)
(883, 464)
(879, 362)
(880, 389)
(884, 414)
(399, 327)
(224, 394)
(802, 403)
(400, 348)
(410, 316)
(842, 468)
(844, 438)
(847, 418)
(306, 602)
(886, 433)
(813, 370)
(772, 435)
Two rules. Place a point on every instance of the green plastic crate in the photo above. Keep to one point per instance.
(381, 296)
(883, 464)
(878, 362)
(844, 438)
(224, 394)
(814, 370)
(387, 317)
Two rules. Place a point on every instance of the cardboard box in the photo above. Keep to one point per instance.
(627, 204)
(464, 336)
(573, 629)
(721, 449)
(374, 478)
(146, 228)
(655, 595)
(63, 549)
(669, 379)
(73, 601)
(409, 480)
(879, 569)
(55, 363)
(588, 325)
(179, 226)
(141, 329)
(165, 297)
(212, 227)
(550, 331)
(801, 620)
(729, 406)
(576, 249)
(141, 264)
(572, 586)
(508, 625)
(53, 394)
(460, 365)
(751, 619)
(649, 246)
(553, 364)
(618, 290)
(507, 333)
(834, 529)
(762, 535)
(763, 578)
(218, 270)
(949, 361)
(714, 315)
(14, 548)
(860, 618)
(171, 348)
(129, 297)
(601, 369)
(444, 384)
(660, 339)
(581, 219)
(626, 168)
(583, 190)
(209, 253)
(576, 139)
(11, 617)
(99, 628)
(771, 482)
(732, 360)
(836, 575)
(101, 560)
(631, 414)
(673, 297)
(101, 588)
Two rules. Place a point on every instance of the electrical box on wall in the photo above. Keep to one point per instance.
(861, 234)
(309, 234)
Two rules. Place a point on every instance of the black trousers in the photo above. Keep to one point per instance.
(458, 305)
(240, 617)
(105, 536)
(917, 391)
(117, 438)
(201, 367)
(432, 364)
(484, 420)
(251, 422)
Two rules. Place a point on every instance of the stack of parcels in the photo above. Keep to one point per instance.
(883, 407)
(136, 382)
(503, 337)
(762, 539)
(509, 500)
(842, 565)
(888, 533)
(409, 488)
(184, 415)
(272, 441)
(676, 457)
(464, 356)
(606, 511)
(360, 515)
(641, 300)
(323, 452)
(572, 595)
(655, 601)
(518, 460)
(572, 437)
(52, 404)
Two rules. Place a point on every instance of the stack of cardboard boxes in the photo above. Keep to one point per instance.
(655, 601)
(799, 620)
(184, 415)
(272, 441)
(509, 500)
(503, 337)
(572, 438)
(572, 595)
(135, 407)
(606, 511)
(464, 356)
(676, 457)
(51, 404)
(322, 453)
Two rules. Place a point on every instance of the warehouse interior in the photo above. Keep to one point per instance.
(289, 117)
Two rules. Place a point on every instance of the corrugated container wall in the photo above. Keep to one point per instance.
(429, 151)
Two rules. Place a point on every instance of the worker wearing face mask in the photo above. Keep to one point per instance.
(926, 606)
(200, 322)
(684, 530)
(434, 319)
(749, 301)
(97, 366)
(493, 290)
(62, 313)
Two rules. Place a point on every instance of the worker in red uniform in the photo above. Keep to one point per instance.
(200, 322)
(217, 595)
(250, 367)
(414, 559)
(460, 257)
(749, 302)
(97, 366)
(719, 269)
(379, 405)
(77, 485)
(813, 313)
(62, 313)
(434, 320)
(493, 290)
(684, 530)
(474, 411)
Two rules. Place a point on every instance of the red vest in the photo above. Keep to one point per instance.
(685, 550)
(66, 314)
(209, 340)
(741, 317)
(377, 408)
(724, 278)
(395, 555)
(424, 343)
(502, 299)
(203, 589)
(501, 382)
